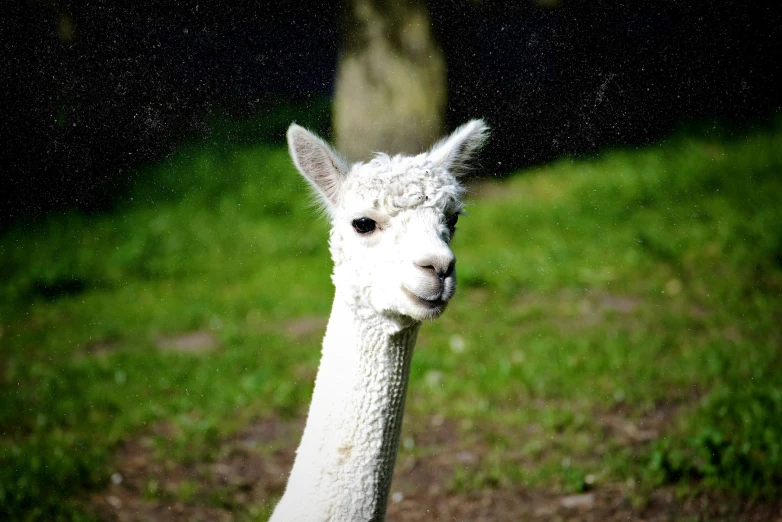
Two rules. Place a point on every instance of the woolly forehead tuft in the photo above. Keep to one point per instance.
(394, 190)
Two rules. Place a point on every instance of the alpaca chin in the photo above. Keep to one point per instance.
(430, 314)
(422, 309)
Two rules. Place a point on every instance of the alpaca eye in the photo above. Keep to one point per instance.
(451, 222)
(364, 225)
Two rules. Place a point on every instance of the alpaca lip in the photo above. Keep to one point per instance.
(433, 303)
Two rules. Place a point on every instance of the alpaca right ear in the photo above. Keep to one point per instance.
(318, 163)
(455, 152)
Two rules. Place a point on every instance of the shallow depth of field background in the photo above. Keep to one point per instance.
(614, 348)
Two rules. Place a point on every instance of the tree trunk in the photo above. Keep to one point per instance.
(390, 92)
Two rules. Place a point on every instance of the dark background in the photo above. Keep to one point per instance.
(94, 89)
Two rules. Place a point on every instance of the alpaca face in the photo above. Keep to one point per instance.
(393, 220)
(391, 242)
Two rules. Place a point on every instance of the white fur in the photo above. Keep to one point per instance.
(387, 282)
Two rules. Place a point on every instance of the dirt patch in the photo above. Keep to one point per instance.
(134, 509)
(627, 427)
(194, 342)
(250, 470)
(304, 327)
(422, 490)
(608, 504)
(573, 310)
(251, 467)
(102, 346)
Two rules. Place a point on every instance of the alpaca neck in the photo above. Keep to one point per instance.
(346, 458)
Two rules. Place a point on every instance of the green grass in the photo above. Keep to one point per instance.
(640, 283)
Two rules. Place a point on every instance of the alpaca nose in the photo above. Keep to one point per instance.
(441, 265)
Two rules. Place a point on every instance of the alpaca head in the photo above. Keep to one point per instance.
(393, 220)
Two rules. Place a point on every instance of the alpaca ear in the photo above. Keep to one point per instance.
(455, 152)
(318, 163)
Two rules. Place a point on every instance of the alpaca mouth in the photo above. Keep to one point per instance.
(427, 303)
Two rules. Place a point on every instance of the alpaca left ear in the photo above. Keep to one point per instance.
(320, 166)
(455, 152)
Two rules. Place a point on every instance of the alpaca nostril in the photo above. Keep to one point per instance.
(440, 270)
(449, 270)
(429, 268)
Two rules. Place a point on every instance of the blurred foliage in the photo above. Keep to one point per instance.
(642, 284)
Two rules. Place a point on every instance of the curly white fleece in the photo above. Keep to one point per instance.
(396, 183)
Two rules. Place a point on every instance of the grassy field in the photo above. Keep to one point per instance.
(616, 329)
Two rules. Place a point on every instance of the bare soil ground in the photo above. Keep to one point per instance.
(249, 470)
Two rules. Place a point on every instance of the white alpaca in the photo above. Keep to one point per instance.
(392, 223)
